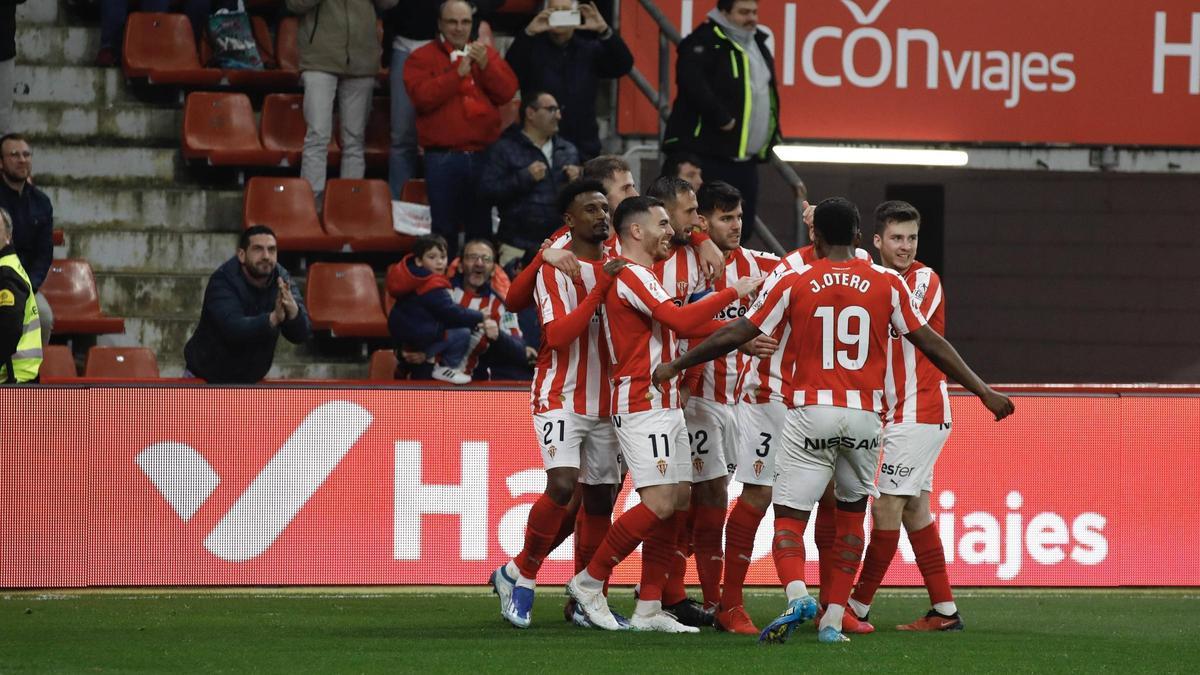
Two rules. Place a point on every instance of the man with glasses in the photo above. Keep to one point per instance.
(523, 173)
(496, 350)
(457, 87)
(33, 219)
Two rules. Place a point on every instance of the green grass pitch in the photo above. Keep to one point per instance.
(460, 630)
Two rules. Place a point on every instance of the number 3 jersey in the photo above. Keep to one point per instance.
(840, 313)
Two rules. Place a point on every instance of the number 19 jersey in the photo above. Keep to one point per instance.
(839, 313)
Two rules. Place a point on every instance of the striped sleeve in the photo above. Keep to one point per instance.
(771, 308)
(550, 294)
(905, 316)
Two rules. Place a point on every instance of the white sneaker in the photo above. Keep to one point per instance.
(660, 621)
(593, 604)
(450, 375)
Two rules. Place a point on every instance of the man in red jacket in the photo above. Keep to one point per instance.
(457, 87)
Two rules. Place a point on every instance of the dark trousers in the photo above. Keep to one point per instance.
(452, 180)
(741, 175)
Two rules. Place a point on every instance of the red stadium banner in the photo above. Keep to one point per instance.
(270, 486)
(1023, 71)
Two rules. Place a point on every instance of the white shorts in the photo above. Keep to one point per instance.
(712, 431)
(655, 447)
(909, 452)
(823, 442)
(567, 439)
(760, 427)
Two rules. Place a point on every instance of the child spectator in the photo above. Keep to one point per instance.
(426, 318)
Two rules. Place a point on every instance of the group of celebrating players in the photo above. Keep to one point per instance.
(673, 353)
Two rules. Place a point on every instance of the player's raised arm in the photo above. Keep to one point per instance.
(729, 337)
(946, 358)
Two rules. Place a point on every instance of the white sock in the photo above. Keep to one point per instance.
(860, 610)
(833, 616)
(648, 607)
(589, 582)
(512, 570)
(795, 589)
(946, 608)
(525, 582)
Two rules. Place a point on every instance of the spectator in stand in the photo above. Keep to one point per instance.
(339, 56)
(20, 335)
(498, 351)
(249, 301)
(568, 65)
(414, 23)
(114, 12)
(522, 174)
(616, 176)
(684, 165)
(33, 219)
(426, 321)
(724, 61)
(457, 88)
(8, 60)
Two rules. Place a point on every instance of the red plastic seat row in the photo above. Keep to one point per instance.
(70, 288)
(344, 299)
(219, 127)
(161, 48)
(358, 214)
(103, 362)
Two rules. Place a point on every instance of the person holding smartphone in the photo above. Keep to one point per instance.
(565, 51)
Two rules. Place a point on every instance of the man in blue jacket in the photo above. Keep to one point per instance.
(33, 219)
(522, 174)
(569, 62)
(249, 301)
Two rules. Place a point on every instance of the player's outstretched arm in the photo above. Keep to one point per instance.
(725, 340)
(562, 332)
(946, 358)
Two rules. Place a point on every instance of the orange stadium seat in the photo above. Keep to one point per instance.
(510, 113)
(120, 363)
(271, 76)
(415, 191)
(383, 366)
(161, 48)
(287, 53)
(57, 364)
(57, 237)
(362, 211)
(283, 127)
(70, 288)
(344, 299)
(287, 206)
(220, 128)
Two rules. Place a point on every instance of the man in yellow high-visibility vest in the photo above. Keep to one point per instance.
(20, 328)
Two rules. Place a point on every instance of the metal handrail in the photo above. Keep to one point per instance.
(669, 35)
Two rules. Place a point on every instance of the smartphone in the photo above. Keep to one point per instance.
(566, 17)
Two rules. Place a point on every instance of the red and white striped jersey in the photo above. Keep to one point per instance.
(720, 379)
(915, 390)
(576, 377)
(492, 308)
(771, 379)
(839, 314)
(680, 275)
(638, 344)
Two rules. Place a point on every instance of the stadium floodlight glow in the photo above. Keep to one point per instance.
(831, 154)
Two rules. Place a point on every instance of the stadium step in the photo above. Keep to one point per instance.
(40, 12)
(124, 123)
(181, 209)
(78, 85)
(152, 251)
(106, 165)
(167, 337)
(169, 295)
(57, 44)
